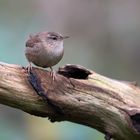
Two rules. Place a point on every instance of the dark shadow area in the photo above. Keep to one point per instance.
(74, 71)
(136, 121)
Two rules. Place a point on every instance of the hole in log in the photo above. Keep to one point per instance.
(74, 71)
(136, 121)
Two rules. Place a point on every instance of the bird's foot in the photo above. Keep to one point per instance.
(29, 68)
(53, 74)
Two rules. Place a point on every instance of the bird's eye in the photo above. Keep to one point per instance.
(54, 38)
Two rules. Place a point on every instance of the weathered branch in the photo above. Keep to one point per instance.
(77, 95)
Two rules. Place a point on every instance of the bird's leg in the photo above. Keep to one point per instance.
(52, 73)
(29, 67)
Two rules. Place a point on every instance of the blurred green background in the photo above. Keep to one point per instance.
(104, 36)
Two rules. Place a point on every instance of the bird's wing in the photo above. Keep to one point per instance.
(32, 41)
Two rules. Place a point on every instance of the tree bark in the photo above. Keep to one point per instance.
(76, 94)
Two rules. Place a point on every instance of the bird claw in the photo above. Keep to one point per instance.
(53, 74)
(29, 68)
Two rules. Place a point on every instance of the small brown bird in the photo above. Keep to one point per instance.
(45, 49)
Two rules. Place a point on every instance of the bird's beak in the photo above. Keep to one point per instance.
(65, 37)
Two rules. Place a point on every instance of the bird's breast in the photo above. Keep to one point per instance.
(44, 55)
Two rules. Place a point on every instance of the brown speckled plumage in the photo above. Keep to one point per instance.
(45, 49)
